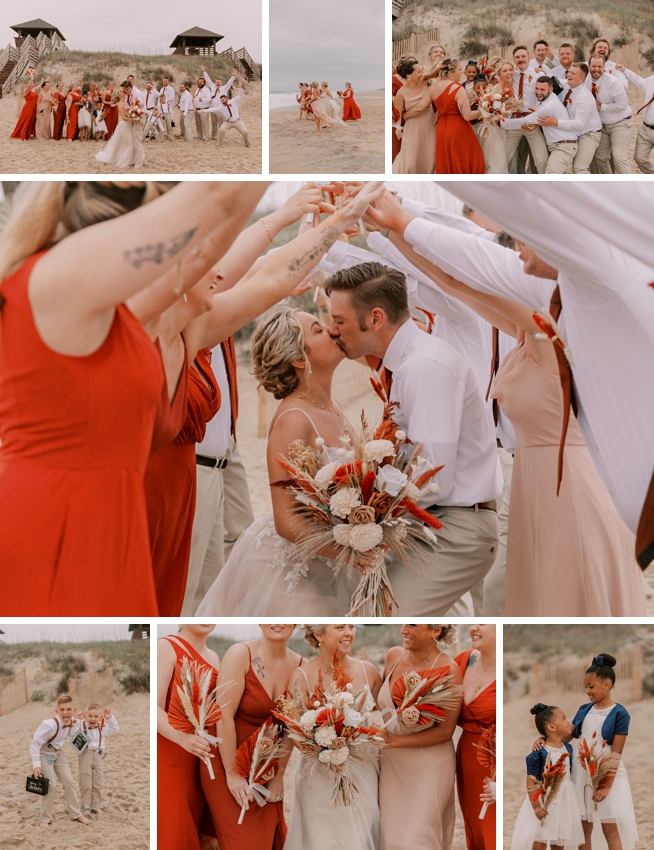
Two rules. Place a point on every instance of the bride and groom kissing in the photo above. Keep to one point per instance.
(440, 405)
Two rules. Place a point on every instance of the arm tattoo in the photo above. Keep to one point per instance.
(158, 252)
(258, 666)
(327, 238)
(472, 660)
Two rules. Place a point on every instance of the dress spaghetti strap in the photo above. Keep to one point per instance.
(313, 424)
(363, 665)
(305, 677)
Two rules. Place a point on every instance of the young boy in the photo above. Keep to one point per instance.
(97, 726)
(49, 760)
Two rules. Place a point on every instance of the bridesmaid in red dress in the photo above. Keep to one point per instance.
(59, 112)
(25, 128)
(180, 801)
(351, 111)
(457, 147)
(80, 383)
(260, 671)
(111, 110)
(477, 714)
(73, 100)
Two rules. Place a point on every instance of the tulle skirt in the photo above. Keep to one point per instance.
(84, 119)
(617, 808)
(125, 147)
(264, 578)
(562, 827)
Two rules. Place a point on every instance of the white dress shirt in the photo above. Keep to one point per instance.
(137, 94)
(647, 85)
(216, 92)
(169, 94)
(231, 114)
(559, 71)
(582, 111)
(202, 98)
(185, 102)
(43, 734)
(550, 106)
(441, 406)
(97, 736)
(609, 68)
(613, 98)
(607, 321)
(216, 437)
(543, 69)
(529, 98)
(150, 99)
(449, 219)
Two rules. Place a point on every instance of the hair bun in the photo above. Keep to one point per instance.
(604, 660)
(536, 709)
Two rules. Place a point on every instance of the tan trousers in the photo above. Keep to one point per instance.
(466, 549)
(90, 780)
(586, 148)
(216, 120)
(535, 140)
(644, 145)
(185, 126)
(236, 125)
(223, 511)
(202, 125)
(59, 770)
(560, 158)
(614, 144)
(168, 124)
(494, 587)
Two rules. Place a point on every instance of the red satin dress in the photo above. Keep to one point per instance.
(59, 115)
(25, 128)
(170, 486)
(351, 111)
(180, 801)
(397, 83)
(263, 827)
(457, 147)
(111, 115)
(72, 130)
(76, 435)
(474, 719)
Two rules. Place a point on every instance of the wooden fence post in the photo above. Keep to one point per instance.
(412, 43)
(27, 696)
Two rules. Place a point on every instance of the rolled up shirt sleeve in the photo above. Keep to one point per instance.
(42, 734)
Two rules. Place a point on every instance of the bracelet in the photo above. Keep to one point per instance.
(263, 221)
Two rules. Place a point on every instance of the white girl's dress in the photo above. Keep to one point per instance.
(84, 118)
(618, 807)
(99, 127)
(562, 826)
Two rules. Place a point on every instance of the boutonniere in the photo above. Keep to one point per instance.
(569, 100)
(530, 78)
(611, 71)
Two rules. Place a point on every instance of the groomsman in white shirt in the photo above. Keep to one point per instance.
(185, 110)
(168, 91)
(524, 82)
(563, 62)
(544, 60)
(602, 47)
(217, 90)
(202, 101)
(583, 117)
(645, 135)
(137, 94)
(616, 116)
(229, 109)
(151, 99)
(441, 405)
(562, 144)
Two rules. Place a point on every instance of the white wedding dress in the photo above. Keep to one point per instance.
(263, 576)
(317, 824)
(125, 147)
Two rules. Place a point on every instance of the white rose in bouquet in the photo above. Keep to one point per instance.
(390, 480)
(342, 534)
(324, 736)
(307, 720)
(343, 500)
(377, 450)
(326, 473)
(334, 757)
(341, 700)
(352, 717)
(363, 538)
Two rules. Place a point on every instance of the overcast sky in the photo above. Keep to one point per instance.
(137, 26)
(64, 633)
(339, 41)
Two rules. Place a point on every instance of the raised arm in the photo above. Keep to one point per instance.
(464, 106)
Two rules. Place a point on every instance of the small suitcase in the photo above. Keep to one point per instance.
(37, 785)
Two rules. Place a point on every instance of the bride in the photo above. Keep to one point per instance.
(294, 359)
(321, 111)
(125, 147)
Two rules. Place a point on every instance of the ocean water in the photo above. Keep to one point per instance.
(281, 99)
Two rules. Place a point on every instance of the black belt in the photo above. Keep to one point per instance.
(480, 506)
(213, 462)
(564, 142)
(649, 126)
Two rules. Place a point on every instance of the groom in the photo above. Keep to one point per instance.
(441, 406)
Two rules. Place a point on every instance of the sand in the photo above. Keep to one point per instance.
(520, 733)
(196, 157)
(125, 822)
(295, 148)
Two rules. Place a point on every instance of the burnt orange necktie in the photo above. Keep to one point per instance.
(567, 386)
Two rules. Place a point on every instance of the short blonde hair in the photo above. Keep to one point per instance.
(95, 705)
(310, 632)
(448, 635)
(278, 341)
(324, 84)
(63, 698)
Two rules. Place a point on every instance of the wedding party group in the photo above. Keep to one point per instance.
(316, 101)
(544, 114)
(375, 762)
(126, 115)
(510, 360)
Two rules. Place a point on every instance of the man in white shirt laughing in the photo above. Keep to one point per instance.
(229, 110)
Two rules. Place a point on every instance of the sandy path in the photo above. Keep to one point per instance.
(520, 733)
(196, 157)
(125, 821)
(295, 148)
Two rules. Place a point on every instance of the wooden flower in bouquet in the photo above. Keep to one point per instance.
(600, 766)
(331, 730)
(495, 106)
(549, 786)
(421, 699)
(257, 759)
(365, 501)
(486, 756)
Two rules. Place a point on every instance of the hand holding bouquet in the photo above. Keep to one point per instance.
(600, 766)
(135, 111)
(486, 756)
(257, 759)
(495, 106)
(421, 699)
(548, 787)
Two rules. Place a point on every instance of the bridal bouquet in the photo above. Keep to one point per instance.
(256, 760)
(496, 106)
(332, 731)
(599, 766)
(548, 787)
(367, 500)
(486, 756)
(135, 110)
(200, 705)
(420, 700)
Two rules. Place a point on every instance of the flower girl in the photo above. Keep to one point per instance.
(550, 816)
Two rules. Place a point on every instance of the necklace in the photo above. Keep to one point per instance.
(481, 659)
(328, 672)
(321, 406)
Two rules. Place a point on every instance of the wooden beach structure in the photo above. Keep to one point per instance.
(33, 40)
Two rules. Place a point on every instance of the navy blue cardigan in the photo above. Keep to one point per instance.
(617, 722)
(536, 761)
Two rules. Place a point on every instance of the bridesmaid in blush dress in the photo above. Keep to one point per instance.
(180, 801)
(477, 714)
(258, 671)
(59, 112)
(26, 124)
(43, 113)
(413, 105)
(416, 783)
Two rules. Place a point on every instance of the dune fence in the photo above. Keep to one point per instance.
(92, 687)
(13, 692)
(550, 682)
